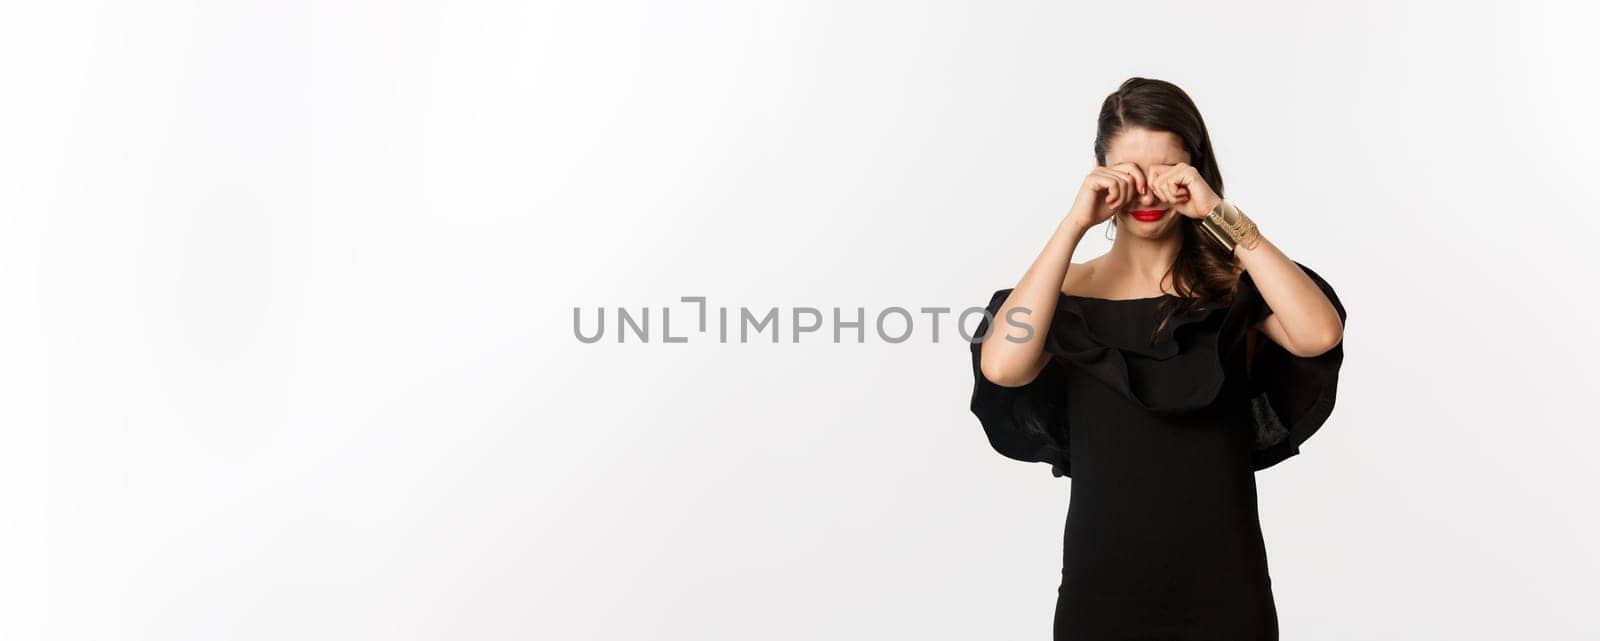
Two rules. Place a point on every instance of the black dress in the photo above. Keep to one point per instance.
(1162, 442)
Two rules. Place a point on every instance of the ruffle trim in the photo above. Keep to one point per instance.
(1029, 422)
(1187, 368)
(1291, 397)
(1181, 372)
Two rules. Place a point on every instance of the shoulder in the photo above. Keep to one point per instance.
(1079, 275)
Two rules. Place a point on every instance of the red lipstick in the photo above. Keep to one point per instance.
(1147, 215)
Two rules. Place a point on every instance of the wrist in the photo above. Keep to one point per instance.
(1073, 226)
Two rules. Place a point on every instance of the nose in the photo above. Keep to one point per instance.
(1148, 197)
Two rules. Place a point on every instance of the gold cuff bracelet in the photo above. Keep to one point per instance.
(1229, 227)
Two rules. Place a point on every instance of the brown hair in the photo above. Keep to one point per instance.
(1203, 272)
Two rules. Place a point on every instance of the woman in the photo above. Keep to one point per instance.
(1160, 377)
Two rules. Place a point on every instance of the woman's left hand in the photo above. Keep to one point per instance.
(1182, 186)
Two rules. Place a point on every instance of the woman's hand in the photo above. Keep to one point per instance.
(1182, 186)
(1106, 191)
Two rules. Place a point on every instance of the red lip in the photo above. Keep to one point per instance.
(1147, 215)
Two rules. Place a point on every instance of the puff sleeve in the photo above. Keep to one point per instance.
(1289, 397)
(1027, 423)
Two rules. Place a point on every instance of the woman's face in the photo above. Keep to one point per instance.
(1152, 153)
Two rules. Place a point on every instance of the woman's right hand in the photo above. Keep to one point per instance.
(1106, 191)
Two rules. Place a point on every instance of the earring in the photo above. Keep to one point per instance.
(1111, 224)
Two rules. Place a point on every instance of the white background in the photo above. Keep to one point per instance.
(288, 292)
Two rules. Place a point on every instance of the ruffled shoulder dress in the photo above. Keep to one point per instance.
(1161, 442)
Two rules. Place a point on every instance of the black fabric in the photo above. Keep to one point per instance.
(1162, 442)
(1026, 423)
(1298, 392)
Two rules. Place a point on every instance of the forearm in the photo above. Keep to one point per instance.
(1005, 361)
(1303, 320)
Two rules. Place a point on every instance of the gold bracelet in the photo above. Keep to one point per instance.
(1229, 227)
